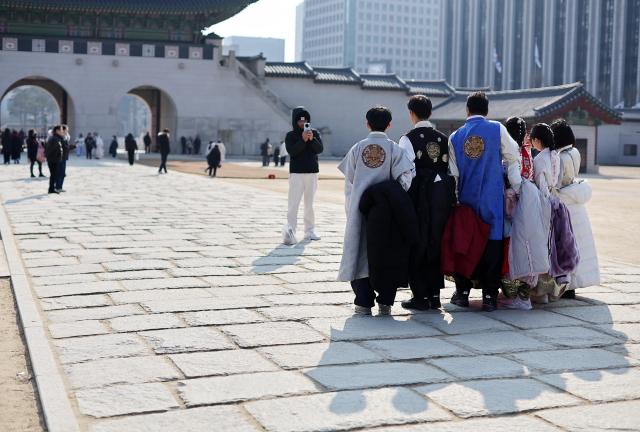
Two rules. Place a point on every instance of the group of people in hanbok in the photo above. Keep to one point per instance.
(475, 206)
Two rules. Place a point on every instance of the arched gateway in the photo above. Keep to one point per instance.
(89, 55)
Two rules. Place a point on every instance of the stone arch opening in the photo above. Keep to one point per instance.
(40, 117)
(146, 108)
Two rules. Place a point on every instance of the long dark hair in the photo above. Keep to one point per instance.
(517, 128)
(543, 132)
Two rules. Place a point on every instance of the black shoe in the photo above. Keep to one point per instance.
(414, 304)
(569, 294)
(42, 175)
(54, 192)
(460, 300)
(32, 176)
(489, 303)
(435, 302)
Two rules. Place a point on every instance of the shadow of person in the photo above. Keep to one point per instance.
(582, 356)
(24, 199)
(353, 371)
(279, 257)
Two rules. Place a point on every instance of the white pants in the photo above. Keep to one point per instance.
(299, 185)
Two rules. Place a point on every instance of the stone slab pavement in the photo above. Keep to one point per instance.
(169, 305)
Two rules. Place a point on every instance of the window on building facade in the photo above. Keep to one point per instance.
(630, 150)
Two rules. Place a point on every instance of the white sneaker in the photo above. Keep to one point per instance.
(361, 310)
(312, 236)
(288, 236)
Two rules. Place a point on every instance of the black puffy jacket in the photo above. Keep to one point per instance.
(303, 155)
(392, 229)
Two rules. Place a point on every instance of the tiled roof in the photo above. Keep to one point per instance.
(223, 8)
(288, 70)
(528, 103)
(383, 82)
(336, 75)
(630, 114)
(439, 88)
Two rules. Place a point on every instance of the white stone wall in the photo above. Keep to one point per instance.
(207, 97)
(342, 109)
(611, 141)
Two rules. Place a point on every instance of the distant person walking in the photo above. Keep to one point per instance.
(165, 148)
(197, 143)
(16, 147)
(223, 151)
(183, 144)
(53, 152)
(62, 165)
(283, 153)
(276, 155)
(130, 145)
(6, 146)
(147, 143)
(99, 146)
(33, 146)
(264, 152)
(113, 147)
(79, 145)
(89, 144)
(213, 160)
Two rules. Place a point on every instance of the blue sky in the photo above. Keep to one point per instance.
(266, 18)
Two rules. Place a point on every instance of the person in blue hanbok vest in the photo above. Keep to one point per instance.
(476, 153)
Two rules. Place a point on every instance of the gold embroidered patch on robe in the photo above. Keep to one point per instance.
(373, 156)
(474, 147)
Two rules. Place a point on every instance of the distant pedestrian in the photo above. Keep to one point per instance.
(264, 152)
(79, 145)
(54, 153)
(276, 155)
(6, 146)
(113, 147)
(99, 145)
(165, 148)
(147, 142)
(130, 145)
(283, 153)
(197, 143)
(89, 144)
(223, 151)
(189, 145)
(62, 165)
(32, 151)
(183, 144)
(16, 147)
(213, 160)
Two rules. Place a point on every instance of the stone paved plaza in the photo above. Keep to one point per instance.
(169, 305)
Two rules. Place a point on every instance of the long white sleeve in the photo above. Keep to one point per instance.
(405, 144)
(511, 156)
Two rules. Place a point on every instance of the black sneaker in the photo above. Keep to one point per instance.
(569, 294)
(489, 303)
(54, 192)
(414, 304)
(461, 300)
(435, 302)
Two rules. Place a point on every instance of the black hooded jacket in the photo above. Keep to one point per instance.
(304, 155)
